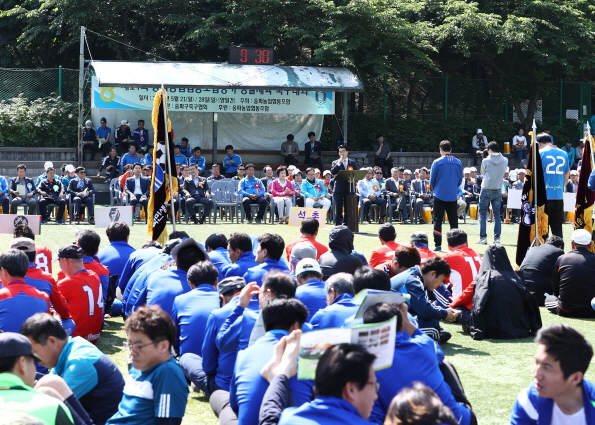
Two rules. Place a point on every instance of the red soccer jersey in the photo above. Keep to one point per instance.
(384, 254)
(320, 248)
(58, 301)
(464, 264)
(425, 254)
(83, 293)
(43, 258)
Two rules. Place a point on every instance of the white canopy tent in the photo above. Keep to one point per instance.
(248, 101)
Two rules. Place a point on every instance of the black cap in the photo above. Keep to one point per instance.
(231, 284)
(70, 251)
(387, 232)
(103, 119)
(13, 344)
(420, 237)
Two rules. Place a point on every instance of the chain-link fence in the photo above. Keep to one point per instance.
(35, 83)
(446, 98)
(452, 105)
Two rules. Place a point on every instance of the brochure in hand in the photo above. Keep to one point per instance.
(369, 297)
(377, 338)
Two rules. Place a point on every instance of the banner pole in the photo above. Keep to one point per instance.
(168, 159)
(536, 240)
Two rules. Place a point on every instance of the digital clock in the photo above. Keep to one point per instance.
(251, 56)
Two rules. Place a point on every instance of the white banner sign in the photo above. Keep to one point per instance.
(569, 201)
(106, 215)
(234, 100)
(9, 221)
(298, 214)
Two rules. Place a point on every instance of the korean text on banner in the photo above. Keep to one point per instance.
(299, 214)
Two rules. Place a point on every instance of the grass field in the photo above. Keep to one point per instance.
(492, 371)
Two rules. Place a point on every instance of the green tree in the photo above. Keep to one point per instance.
(525, 43)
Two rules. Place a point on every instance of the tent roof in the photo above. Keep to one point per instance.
(223, 75)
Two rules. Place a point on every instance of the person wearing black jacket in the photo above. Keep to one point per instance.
(341, 188)
(537, 267)
(28, 196)
(122, 137)
(52, 192)
(340, 258)
(111, 165)
(195, 191)
(502, 307)
(573, 280)
(313, 151)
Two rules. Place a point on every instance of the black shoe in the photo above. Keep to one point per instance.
(202, 219)
(367, 218)
(249, 221)
(77, 221)
(381, 221)
(444, 337)
(92, 221)
(258, 220)
(194, 219)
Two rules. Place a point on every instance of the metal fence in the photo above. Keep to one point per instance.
(446, 98)
(36, 83)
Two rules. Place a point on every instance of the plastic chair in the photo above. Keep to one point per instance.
(225, 196)
(116, 197)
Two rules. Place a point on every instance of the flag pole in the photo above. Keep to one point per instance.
(536, 240)
(590, 140)
(168, 159)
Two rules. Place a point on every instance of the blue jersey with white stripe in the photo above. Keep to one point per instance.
(160, 392)
(555, 165)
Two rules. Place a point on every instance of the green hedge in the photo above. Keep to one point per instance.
(423, 135)
(43, 122)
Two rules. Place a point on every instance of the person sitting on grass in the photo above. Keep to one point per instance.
(424, 360)
(560, 394)
(418, 281)
(93, 377)
(240, 254)
(157, 389)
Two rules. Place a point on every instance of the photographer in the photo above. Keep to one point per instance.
(478, 145)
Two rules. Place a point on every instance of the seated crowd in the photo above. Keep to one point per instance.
(226, 316)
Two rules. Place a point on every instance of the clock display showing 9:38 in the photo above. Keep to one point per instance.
(251, 56)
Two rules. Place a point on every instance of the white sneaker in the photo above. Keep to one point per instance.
(497, 240)
(482, 241)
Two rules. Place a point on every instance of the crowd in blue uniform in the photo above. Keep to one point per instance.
(227, 316)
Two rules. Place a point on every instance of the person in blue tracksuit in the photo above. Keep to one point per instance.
(231, 162)
(93, 377)
(147, 252)
(422, 357)
(216, 245)
(268, 255)
(116, 254)
(310, 291)
(280, 316)
(418, 281)
(240, 254)
(213, 370)
(339, 297)
(238, 329)
(164, 286)
(346, 388)
(192, 309)
(559, 394)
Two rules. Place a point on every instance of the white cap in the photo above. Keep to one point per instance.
(69, 168)
(307, 265)
(291, 167)
(521, 170)
(124, 122)
(88, 124)
(296, 171)
(466, 170)
(473, 169)
(479, 130)
(325, 172)
(581, 237)
(48, 164)
(407, 172)
(574, 173)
